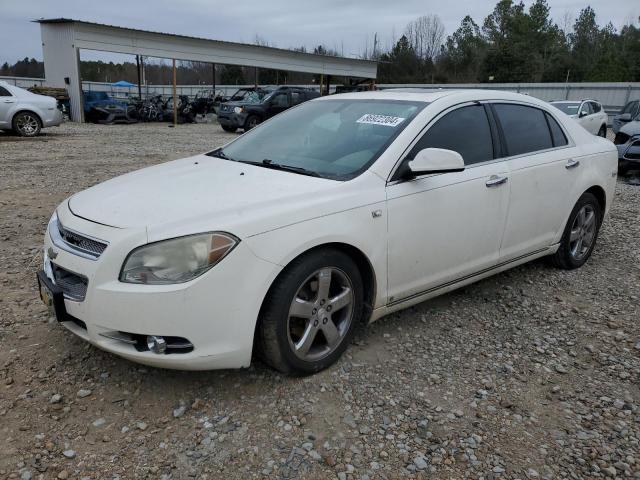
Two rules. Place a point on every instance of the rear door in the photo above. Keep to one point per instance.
(542, 169)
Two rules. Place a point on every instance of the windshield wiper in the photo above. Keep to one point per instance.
(219, 153)
(266, 163)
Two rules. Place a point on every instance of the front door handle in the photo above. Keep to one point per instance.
(572, 163)
(495, 180)
(8, 101)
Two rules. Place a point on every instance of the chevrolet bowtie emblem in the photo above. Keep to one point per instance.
(52, 253)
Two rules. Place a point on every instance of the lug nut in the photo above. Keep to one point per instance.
(322, 301)
(315, 323)
(314, 311)
(324, 321)
(328, 308)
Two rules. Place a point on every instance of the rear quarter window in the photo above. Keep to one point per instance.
(557, 135)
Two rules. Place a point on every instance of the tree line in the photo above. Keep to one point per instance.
(512, 44)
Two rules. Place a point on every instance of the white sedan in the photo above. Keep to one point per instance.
(26, 113)
(588, 113)
(330, 215)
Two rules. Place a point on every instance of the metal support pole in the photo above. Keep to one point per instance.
(255, 78)
(139, 77)
(321, 84)
(328, 84)
(213, 74)
(175, 100)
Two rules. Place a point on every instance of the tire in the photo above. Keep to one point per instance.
(622, 171)
(603, 131)
(293, 311)
(229, 129)
(26, 124)
(573, 252)
(252, 122)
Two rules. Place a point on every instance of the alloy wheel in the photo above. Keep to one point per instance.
(320, 314)
(27, 124)
(583, 232)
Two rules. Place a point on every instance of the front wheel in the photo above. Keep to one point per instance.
(580, 234)
(252, 122)
(228, 128)
(311, 312)
(26, 124)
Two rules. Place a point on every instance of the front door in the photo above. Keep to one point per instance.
(7, 102)
(445, 227)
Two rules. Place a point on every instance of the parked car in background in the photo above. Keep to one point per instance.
(99, 107)
(629, 112)
(252, 111)
(628, 142)
(26, 113)
(332, 214)
(587, 113)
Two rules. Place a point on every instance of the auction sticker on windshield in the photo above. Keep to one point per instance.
(373, 119)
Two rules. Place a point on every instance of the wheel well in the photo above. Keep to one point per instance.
(600, 195)
(25, 110)
(363, 264)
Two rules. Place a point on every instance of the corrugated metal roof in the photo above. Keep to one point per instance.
(315, 55)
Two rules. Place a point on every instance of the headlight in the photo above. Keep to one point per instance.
(238, 110)
(177, 260)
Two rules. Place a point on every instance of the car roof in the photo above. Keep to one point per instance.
(431, 95)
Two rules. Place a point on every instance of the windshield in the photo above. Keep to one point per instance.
(335, 139)
(251, 96)
(570, 108)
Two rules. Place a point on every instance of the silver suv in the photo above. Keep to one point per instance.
(26, 113)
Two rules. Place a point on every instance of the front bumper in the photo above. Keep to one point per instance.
(235, 120)
(629, 152)
(216, 312)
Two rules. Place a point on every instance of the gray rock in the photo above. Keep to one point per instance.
(55, 398)
(83, 392)
(69, 453)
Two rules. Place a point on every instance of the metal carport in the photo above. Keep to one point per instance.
(63, 38)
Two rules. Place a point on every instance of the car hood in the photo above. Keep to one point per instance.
(631, 128)
(201, 193)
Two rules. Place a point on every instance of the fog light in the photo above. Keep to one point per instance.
(156, 344)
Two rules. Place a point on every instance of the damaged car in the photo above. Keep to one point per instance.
(628, 142)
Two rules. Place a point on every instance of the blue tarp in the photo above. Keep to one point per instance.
(123, 83)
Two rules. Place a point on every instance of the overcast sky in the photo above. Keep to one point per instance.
(344, 25)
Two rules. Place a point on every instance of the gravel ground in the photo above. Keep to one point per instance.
(533, 373)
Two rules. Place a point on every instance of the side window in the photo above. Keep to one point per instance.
(296, 98)
(465, 130)
(281, 100)
(595, 107)
(630, 108)
(525, 128)
(557, 135)
(4, 92)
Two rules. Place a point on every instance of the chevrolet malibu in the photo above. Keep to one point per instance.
(328, 216)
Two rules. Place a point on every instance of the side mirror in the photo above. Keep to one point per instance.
(625, 117)
(583, 113)
(436, 160)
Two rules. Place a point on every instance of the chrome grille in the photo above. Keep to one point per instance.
(73, 286)
(80, 242)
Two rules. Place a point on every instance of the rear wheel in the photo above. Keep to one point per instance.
(311, 312)
(603, 131)
(580, 233)
(228, 128)
(26, 124)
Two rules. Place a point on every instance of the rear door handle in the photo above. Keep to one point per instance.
(495, 180)
(572, 163)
